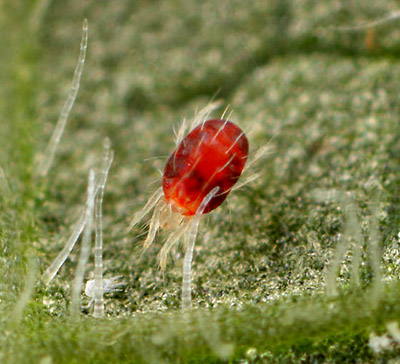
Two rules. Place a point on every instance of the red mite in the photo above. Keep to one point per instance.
(212, 155)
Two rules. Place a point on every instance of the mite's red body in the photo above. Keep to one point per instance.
(212, 154)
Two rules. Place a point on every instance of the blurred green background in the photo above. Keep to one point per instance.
(327, 103)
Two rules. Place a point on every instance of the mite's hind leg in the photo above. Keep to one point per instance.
(154, 199)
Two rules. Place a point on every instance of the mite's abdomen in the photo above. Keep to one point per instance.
(212, 154)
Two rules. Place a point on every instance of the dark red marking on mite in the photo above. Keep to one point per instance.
(212, 154)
